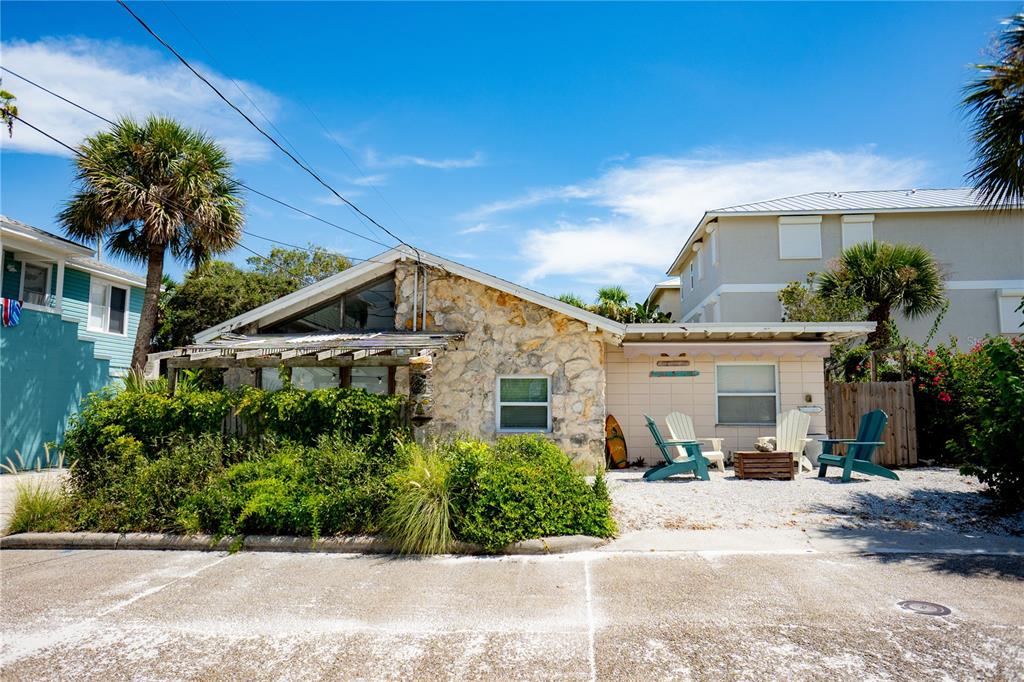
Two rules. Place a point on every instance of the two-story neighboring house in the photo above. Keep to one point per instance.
(75, 333)
(738, 258)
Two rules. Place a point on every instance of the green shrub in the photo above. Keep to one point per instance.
(110, 418)
(38, 508)
(418, 519)
(527, 489)
(995, 427)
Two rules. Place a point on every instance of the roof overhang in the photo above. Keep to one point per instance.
(667, 285)
(739, 333)
(381, 265)
(34, 241)
(338, 349)
(673, 349)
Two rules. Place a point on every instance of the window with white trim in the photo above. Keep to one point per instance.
(858, 229)
(693, 270)
(108, 308)
(700, 264)
(1011, 321)
(524, 403)
(713, 245)
(746, 393)
(799, 237)
(35, 284)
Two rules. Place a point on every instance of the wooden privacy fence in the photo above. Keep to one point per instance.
(846, 403)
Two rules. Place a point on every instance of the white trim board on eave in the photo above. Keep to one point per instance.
(382, 264)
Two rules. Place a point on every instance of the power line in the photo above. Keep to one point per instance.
(237, 182)
(179, 206)
(256, 126)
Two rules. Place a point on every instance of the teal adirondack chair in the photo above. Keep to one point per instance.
(859, 450)
(694, 462)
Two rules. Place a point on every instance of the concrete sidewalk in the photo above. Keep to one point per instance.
(598, 615)
(824, 540)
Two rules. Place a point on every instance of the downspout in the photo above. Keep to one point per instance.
(415, 293)
(424, 325)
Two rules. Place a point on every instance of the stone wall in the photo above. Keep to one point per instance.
(507, 336)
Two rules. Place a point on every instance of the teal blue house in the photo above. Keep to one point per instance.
(77, 329)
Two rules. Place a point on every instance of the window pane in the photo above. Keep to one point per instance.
(746, 409)
(373, 379)
(746, 378)
(97, 305)
(325, 318)
(856, 233)
(270, 379)
(309, 378)
(372, 307)
(118, 301)
(524, 390)
(36, 285)
(524, 417)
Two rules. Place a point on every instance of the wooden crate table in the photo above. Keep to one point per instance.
(767, 465)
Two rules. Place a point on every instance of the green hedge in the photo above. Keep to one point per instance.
(148, 423)
(326, 462)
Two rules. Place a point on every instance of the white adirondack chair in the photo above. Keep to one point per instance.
(680, 426)
(791, 436)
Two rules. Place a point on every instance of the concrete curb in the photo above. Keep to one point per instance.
(353, 544)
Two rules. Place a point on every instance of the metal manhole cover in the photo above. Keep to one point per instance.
(925, 608)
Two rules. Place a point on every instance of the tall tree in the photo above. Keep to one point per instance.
(995, 101)
(888, 277)
(300, 267)
(149, 188)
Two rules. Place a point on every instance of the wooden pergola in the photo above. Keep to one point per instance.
(321, 349)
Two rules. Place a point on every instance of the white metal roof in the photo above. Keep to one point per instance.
(866, 201)
(16, 228)
(871, 200)
(106, 270)
(741, 332)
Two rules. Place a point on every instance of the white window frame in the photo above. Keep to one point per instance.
(800, 224)
(1009, 319)
(498, 404)
(700, 263)
(49, 281)
(778, 390)
(95, 281)
(857, 222)
(693, 278)
(713, 245)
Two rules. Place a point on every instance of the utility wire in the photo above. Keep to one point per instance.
(237, 182)
(173, 203)
(260, 130)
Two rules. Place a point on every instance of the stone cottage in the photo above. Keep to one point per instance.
(505, 359)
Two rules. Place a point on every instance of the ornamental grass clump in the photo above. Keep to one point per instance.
(38, 508)
(419, 518)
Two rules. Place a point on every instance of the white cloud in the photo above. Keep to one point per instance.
(478, 228)
(404, 160)
(114, 79)
(370, 180)
(640, 214)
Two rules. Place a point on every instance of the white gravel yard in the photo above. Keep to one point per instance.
(927, 498)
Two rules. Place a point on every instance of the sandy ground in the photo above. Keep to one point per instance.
(50, 478)
(924, 499)
(114, 615)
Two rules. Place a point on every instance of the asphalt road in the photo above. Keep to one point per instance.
(110, 615)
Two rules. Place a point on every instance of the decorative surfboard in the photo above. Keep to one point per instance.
(614, 444)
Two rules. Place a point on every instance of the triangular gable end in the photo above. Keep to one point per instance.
(379, 266)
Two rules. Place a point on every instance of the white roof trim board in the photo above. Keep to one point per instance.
(19, 230)
(830, 203)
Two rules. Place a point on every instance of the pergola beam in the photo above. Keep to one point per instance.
(226, 362)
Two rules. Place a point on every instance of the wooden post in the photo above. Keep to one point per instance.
(172, 378)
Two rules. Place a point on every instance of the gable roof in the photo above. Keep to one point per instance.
(383, 263)
(864, 201)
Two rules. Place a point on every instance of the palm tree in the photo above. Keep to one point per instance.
(995, 100)
(889, 277)
(612, 295)
(150, 187)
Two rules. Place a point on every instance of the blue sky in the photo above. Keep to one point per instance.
(558, 145)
